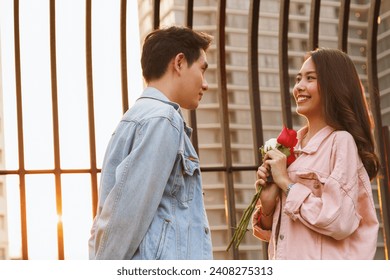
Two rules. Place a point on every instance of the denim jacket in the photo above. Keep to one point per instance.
(150, 196)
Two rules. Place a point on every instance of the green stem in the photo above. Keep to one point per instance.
(240, 231)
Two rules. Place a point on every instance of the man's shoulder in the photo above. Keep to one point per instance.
(146, 109)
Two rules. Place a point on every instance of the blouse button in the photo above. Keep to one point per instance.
(281, 237)
(206, 230)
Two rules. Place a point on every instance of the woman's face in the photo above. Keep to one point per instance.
(306, 94)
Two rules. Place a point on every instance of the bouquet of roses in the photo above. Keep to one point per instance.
(285, 143)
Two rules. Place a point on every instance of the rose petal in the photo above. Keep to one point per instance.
(288, 137)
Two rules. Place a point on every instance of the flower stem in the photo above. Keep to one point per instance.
(240, 231)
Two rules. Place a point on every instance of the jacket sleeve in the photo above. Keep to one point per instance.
(140, 180)
(334, 212)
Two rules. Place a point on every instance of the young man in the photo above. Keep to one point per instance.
(150, 197)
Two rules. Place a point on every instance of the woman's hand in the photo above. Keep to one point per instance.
(277, 161)
(269, 192)
(262, 174)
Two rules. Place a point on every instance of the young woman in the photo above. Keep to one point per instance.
(321, 206)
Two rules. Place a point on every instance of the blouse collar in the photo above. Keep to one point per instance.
(315, 142)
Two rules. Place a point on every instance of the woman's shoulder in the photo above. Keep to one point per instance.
(343, 136)
(344, 144)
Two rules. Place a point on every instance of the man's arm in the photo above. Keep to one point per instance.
(140, 182)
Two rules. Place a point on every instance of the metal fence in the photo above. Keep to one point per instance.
(228, 168)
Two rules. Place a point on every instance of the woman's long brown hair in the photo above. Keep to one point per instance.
(344, 104)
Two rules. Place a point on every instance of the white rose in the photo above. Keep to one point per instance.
(270, 144)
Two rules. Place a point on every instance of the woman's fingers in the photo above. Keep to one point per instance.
(263, 171)
(278, 162)
(260, 182)
(276, 158)
(274, 154)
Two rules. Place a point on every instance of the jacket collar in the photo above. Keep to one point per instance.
(153, 93)
(315, 142)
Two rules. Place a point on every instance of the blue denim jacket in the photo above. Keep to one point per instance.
(150, 195)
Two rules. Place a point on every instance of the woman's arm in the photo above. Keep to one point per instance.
(335, 211)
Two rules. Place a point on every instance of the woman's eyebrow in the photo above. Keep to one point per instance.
(310, 72)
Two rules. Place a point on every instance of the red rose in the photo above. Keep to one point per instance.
(288, 138)
(291, 157)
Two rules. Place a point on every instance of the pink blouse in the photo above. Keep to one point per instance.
(329, 212)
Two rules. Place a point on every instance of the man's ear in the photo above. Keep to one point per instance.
(179, 61)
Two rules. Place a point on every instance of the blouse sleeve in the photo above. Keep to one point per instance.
(334, 212)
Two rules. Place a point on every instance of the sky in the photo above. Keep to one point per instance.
(73, 120)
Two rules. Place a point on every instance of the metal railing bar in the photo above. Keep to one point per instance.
(314, 24)
(228, 169)
(193, 121)
(89, 171)
(283, 63)
(47, 171)
(343, 25)
(91, 114)
(373, 88)
(386, 140)
(224, 114)
(19, 108)
(189, 13)
(253, 77)
(156, 14)
(123, 46)
(254, 88)
(56, 138)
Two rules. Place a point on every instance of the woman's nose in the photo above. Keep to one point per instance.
(300, 86)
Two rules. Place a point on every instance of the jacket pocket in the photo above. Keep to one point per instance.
(186, 180)
(154, 243)
(313, 181)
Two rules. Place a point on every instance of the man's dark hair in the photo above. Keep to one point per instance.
(162, 45)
